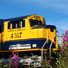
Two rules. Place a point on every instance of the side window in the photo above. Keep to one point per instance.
(14, 25)
(0, 28)
(8, 25)
(23, 23)
(18, 24)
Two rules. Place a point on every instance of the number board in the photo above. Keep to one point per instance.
(16, 35)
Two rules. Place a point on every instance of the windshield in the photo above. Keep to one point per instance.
(35, 22)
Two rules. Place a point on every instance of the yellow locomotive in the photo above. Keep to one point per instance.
(27, 34)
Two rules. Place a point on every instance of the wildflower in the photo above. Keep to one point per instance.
(14, 60)
(66, 39)
(67, 45)
(61, 52)
(64, 50)
(63, 47)
(66, 32)
(66, 65)
(43, 61)
(64, 55)
(49, 62)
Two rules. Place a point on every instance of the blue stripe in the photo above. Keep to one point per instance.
(39, 43)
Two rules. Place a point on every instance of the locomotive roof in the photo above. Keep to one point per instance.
(13, 19)
(16, 19)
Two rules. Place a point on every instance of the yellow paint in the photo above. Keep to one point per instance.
(26, 50)
(23, 50)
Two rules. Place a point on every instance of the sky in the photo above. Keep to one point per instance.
(55, 12)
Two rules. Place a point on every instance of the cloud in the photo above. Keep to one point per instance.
(58, 5)
(63, 4)
(62, 24)
(46, 3)
(49, 3)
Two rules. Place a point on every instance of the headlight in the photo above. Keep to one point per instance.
(34, 45)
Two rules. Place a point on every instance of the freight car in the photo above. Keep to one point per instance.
(28, 35)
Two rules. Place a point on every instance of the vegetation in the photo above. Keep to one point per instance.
(57, 60)
(62, 61)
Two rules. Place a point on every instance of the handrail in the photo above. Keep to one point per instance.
(43, 47)
(44, 43)
(51, 45)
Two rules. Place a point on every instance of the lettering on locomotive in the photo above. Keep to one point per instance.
(16, 35)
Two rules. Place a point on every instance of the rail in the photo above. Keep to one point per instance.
(44, 44)
(43, 47)
(47, 42)
(51, 45)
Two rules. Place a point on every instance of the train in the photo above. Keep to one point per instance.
(28, 35)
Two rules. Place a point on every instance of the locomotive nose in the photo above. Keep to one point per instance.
(51, 27)
(49, 33)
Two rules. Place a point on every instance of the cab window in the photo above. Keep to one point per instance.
(8, 25)
(35, 22)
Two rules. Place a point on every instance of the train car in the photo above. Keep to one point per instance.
(27, 35)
